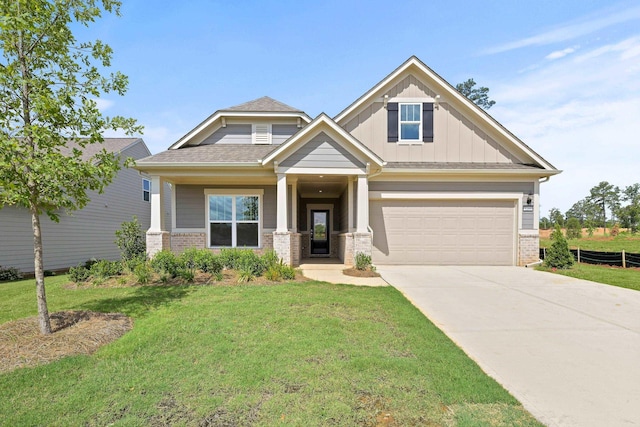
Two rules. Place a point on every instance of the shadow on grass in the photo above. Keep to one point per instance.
(143, 300)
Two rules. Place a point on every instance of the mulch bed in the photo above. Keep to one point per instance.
(360, 273)
(74, 333)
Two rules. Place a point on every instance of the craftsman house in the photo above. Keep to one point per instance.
(412, 172)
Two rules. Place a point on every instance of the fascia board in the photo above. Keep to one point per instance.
(470, 172)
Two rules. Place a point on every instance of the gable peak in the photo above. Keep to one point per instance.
(264, 104)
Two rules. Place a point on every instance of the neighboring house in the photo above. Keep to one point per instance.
(411, 173)
(86, 233)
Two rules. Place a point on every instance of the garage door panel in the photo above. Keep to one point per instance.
(443, 232)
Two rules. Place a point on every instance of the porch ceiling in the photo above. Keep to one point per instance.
(321, 186)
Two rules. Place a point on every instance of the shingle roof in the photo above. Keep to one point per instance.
(214, 153)
(263, 105)
(112, 145)
(459, 165)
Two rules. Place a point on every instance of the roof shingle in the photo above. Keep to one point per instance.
(212, 153)
(264, 105)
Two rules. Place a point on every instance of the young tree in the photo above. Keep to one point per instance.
(556, 217)
(48, 114)
(630, 214)
(605, 195)
(479, 96)
(558, 255)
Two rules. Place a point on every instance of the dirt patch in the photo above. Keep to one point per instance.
(74, 333)
(360, 273)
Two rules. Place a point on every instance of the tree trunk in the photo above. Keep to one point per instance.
(43, 311)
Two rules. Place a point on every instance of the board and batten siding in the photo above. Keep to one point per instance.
(456, 138)
(240, 133)
(322, 152)
(191, 204)
(86, 233)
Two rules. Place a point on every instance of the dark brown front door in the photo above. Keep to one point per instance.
(320, 232)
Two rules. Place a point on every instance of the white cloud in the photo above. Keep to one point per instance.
(581, 114)
(103, 104)
(561, 53)
(570, 31)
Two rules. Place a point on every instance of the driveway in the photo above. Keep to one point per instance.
(568, 349)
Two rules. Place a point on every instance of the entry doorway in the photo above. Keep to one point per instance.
(320, 232)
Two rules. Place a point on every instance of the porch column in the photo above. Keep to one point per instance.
(363, 204)
(157, 238)
(350, 205)
(294, 205)
(157, 204)
(281, 204)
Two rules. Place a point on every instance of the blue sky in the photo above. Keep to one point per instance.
(565, 74)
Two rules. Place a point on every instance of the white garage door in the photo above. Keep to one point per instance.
(443, 232)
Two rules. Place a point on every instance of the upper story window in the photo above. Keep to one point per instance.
(410, 123)
(146, 189)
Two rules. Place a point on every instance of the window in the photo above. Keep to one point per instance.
(234, 220)
(146, 190)
(410, 123)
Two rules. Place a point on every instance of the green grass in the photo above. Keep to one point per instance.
(292, 354)
(622, 277)
(627, 242)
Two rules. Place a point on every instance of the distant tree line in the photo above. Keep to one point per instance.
(606, 205)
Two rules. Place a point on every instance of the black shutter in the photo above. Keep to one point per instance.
(427, 122)
(392, 122)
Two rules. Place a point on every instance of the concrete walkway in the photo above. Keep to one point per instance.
(329, 270)
(568, 349)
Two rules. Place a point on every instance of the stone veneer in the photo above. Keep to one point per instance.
(352, 243)
(528, 247)
(157, 241)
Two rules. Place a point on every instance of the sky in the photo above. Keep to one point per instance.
(565, 75)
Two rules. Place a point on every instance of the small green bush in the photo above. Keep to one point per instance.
(9, 273)
(186, 274)
(143, 273)
(558, 254)
(129, 265)
(270, 259)
(229, 257)
(245, 275)
(363, 261)
(105, 269)
(574, 228)
(207, 262)
(273, 273)
(79, 274)
(288, 272)
(166, 262)
(131, 240)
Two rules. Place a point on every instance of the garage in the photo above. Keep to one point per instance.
(443, 232)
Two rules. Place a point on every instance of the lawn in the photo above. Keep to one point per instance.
(624, 241)
(623, 277)
(291, 354)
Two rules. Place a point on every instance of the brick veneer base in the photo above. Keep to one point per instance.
(528, 247)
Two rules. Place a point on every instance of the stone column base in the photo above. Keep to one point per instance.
(157, 241)
(528, 247)
(282, 246)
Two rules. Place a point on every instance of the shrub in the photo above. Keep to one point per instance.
(9, 273)
(129, 265)
(166, 262)
(574, 228)
(188, 259)
(559, 255)
(131, 240)
(207, 262)
(615, 230)
(142, 273)
(280, 271)
(363, 261)
(250, 261)
(270, 259)
(79, 274)
(245, 275)
(229, 257)
(105, 269)
(186, 274)
(288, 272)
(273, 273)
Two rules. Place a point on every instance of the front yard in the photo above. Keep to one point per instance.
(253, 354)
(622, 277)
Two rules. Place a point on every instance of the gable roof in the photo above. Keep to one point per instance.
(209, 155)
(264, 107)
(416, 67)
(112, 145)
(318, 124)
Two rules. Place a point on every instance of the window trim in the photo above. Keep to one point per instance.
(234, 193)
(146, 191)
(419, 140)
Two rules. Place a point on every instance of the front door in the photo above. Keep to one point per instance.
(320, 232)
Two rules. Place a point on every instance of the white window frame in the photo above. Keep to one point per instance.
(146, 191)
(254, 134)
(401, 122)
(234, 193)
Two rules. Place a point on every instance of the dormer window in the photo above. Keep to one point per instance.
(261, 133)
(410, 122)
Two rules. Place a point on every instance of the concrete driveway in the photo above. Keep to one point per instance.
(568, 349)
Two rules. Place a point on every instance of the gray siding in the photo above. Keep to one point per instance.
(280, 133)
(231, 134)
(191, 209)
(527, 217)
(322, 151)
(344, 211)
(497, 187)
(87, 233)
